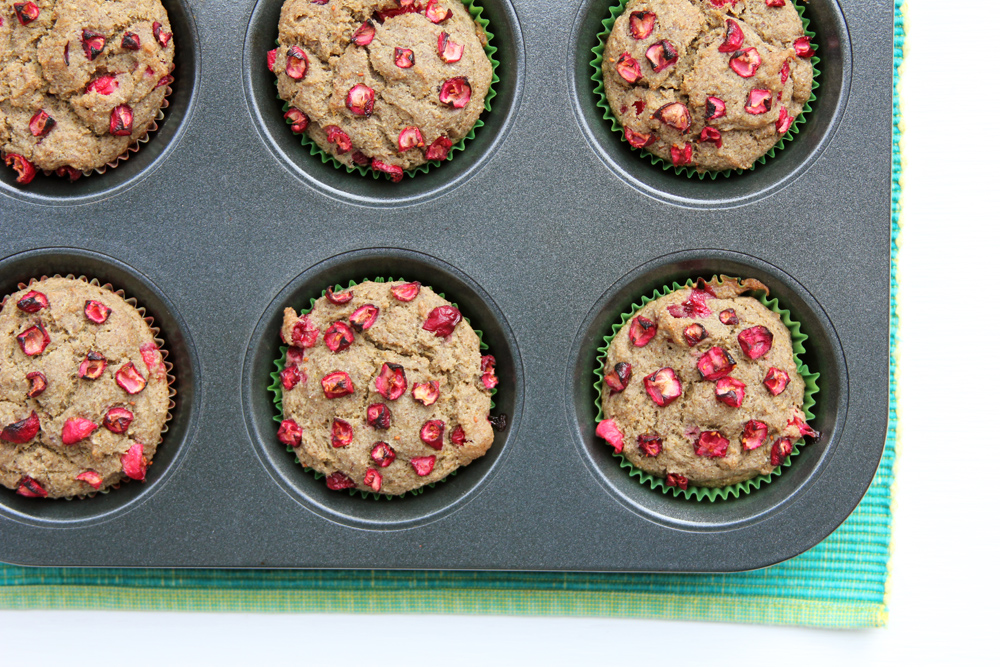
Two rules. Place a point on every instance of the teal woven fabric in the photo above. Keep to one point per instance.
(839, 583)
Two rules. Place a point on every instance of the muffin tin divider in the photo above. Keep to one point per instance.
(546, 229)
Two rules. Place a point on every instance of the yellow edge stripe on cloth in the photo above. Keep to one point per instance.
(523, 602)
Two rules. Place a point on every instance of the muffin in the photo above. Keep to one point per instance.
(390, 84)
(84, 390)
(702, 387)
(80, 81)
(384, 388)
(708, 84)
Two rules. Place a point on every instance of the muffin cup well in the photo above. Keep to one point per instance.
(477, 15)
(602, 101)
(276, 389)
(171, 392)
(712, 494)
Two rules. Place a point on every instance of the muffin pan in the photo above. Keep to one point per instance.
(542, 231)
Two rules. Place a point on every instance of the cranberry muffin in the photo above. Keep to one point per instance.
(84, 391)
(384, 388)
(80, 81)
(708, 84)
(390, 84)
(701, 387)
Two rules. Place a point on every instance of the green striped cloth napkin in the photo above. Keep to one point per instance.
(839, 583)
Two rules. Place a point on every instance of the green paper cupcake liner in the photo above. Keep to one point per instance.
(712, 494)
(477, 15)
(276, 389)
(602, 100)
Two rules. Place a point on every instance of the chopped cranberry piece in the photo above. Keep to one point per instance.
(296, 63)
(442, 321)
(694, 334)
(755, 341)
(338, 481)
(638, 139)
(391, 381)
(161, 35)
(337, 384)
(403, 58)
(456, 92)
(298, 120)
(628, 68)
(758, 101)
(715, 364)
(103, 85)
(129, 379)
(339, 298)
(432, 433)
(435, 13)
(364, 317)
(382, 454)
(711, 444)
(730, 391)
(439, 149)
(338, 337)
(395, 172)
(449, 51)
(339, 139)
(405, 292)
(25, 170)
(96, 312)
(76, 429)
(22, 431)
(734, 37)
(663, 386)
(754, 434)
(26, 12)
(130, 42)
(641, 331)
(341, 433)
(780, 450)
(30, 487)
(120, 124)
(641, 24)
(784, 122)
(426, 393)
(710, 135)
(153, 359)
(650, 444)
(378, 416)
(90, 477)
(373, 479)
(776, 380)
(34, 340)
(678, 480)
(93, 43)
(37, 383)
(291, 376)
(409, 137)
(290, 433)
(745, 62)
(729, 317)
(423, 465)
(41, 124)
(714, 108)
(457, 436)
(93, 366)
(803, 49)
(662, 55)
(117, 420)
(32, 302)
(619, 378)
(609, 431)
(675, 114)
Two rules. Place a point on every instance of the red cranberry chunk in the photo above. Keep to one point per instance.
(641, 24)
(784, 122)
(754, 435)
(758, 101)
(456, 92)
(776, 381)
(130, 42)
(710, 135)
(426, 393)
(291, 376)
(650, 444)
(96, 312)
(298, 120)
(641, 331)
(90, 477)
(609, 431)
(30, 487)
(457, 436)
(339, 298)
(663, 386)
(435, 13)
(117, 420)
(694, 334)
(364, 35)
(296, 63)
(715, 364)
(382, 454)
(161, 35)
(423, 465)
(711, 444)
(803, 49)
(662, 55)
(729, 317)
(93, 43)
(361, 100)
(432, 433)
(290, 433)
(93, 366)
(638, 139)
(338, 481)
(403, 58)
(391, 381)
(373, 479)
(734, 37)
(341, 433)
(449, 51)
(619, 378)
(34, 340)
(120, 124)
(338, 337)
(628, 68)
(337, 385)
(678, 480)
(681, 155)
(780, 450)
(364, 317)
(41, 124)
(439, 149)
(714, 108)
(730, 391)
(405, 292)
(25, 170)
(76, 429)
(745, 62)
(37, 383)
(755, 341)
(676, 115)
(442, 321)
(342, 144)
(378, 416)
(32, 302)
(26, 12)
(410, 137)
(394, 172)
(22, 431)
(130, 379)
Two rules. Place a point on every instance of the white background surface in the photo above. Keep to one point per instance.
(944, 582)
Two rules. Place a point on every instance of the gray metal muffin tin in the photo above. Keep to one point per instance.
(543, 231)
